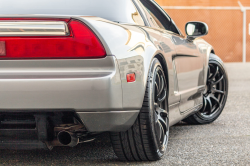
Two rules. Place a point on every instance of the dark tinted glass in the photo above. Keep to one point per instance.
(159, 16)
(122, 11)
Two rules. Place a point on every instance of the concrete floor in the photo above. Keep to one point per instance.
(224, 142)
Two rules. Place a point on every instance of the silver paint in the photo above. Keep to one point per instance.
(81, 85)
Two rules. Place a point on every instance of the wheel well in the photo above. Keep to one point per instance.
(165, 68)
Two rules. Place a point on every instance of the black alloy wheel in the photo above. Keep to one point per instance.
(160, 113)
(215, 95)
(147, 139)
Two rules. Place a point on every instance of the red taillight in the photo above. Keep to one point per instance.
(80, 43)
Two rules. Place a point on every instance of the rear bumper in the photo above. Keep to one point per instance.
(80, 85)
(91, 88)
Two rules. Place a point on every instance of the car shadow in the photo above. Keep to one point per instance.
(97, 152)
(181, 123)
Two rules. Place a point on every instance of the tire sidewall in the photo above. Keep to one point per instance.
(153, 69)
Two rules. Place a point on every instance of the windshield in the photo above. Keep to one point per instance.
(122, 11)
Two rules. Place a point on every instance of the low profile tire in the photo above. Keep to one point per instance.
(147, 139)
(215, 95)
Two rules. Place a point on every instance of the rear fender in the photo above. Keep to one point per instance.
(134, 53)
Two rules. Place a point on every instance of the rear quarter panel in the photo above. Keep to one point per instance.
(134, 47)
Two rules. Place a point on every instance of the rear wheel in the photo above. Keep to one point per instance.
(215, 95)
(147, 139)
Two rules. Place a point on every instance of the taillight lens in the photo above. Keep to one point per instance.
(81, 43)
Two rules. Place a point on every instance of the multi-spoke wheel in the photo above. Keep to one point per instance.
(160, 112)
(215, 95)
(147, 139)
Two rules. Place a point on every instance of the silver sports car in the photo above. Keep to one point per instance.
(70, 70)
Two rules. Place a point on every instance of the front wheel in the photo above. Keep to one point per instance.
(215, 95)
(147, 139)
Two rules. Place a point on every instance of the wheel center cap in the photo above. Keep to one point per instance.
(208, 88)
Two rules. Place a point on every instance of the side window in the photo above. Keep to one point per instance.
(161, 19)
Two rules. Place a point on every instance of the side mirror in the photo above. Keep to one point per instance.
(196, 29)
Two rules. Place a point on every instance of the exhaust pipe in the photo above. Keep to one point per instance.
(67, 138)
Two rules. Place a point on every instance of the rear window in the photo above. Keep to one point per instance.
(122, 11)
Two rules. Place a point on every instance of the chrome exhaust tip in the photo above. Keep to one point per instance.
(67, 138)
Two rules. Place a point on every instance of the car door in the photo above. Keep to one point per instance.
(187, 62)
(190, 73)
